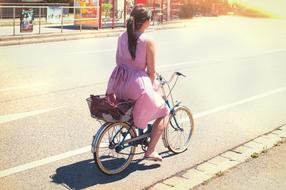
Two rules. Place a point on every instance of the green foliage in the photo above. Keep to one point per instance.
(219, 174)
(106, 6)
(255, 155)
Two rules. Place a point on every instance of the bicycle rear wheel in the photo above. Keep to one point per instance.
(111, 155)
(178, 132)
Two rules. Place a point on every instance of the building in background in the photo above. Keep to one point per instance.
(86, 13)
(6, 11)
(112, 13)
(23, 1)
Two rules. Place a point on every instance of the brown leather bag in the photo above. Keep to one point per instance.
(109, 108)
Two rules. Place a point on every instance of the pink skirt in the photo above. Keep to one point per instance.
(132, 83)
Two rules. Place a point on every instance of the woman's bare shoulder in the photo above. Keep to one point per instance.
(146, 38)
(150, 42)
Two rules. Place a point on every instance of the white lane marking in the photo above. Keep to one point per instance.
(51, 159)
(175, 64)
(16, 116)
(205, 61)
(273, 51)
(113, 50)
(228, 106)
(214, 60)
(44, 161)
(22, 87)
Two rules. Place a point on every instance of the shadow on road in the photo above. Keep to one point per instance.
(85, 174)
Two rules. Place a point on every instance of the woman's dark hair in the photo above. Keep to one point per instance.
(138, 16)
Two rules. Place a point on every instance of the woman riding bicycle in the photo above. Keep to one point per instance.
(134, 78)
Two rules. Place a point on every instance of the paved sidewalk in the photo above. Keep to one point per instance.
(50, 34)
(264, 173)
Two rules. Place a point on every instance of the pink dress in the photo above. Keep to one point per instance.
(129, 80)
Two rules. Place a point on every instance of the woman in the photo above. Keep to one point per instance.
(134, 78)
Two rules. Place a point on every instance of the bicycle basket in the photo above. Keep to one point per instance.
(109, 108)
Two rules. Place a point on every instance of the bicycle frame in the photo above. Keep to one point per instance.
(141, 134)
(136, 141)
(172, 108)
(133, 141)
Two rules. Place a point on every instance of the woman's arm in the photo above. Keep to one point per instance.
(151, 60)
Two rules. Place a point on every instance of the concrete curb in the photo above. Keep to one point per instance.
(53, 37)
(214, 167)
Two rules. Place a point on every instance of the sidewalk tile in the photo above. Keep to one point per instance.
(243, 150)
(208, 168)
(283, 127)
(255, 146)
(186, 185)
(195, 178)
(227, 165)
(261, 140)
(160, 186)
(223, 163)
(271, 140)
(280, 133)
(194, 174)
(174, 181)
(218, 160)
(273, 137)
(235, 156)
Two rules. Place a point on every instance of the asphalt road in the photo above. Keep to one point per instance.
(235, 86)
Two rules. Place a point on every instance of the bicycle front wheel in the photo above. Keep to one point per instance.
(178, 132)
(112, 156)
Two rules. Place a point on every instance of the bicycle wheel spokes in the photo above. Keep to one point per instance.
(112, 156)
(179, 130)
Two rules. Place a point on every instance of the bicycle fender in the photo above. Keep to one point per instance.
(96, 137)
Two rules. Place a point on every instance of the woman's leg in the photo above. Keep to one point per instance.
(156, 133)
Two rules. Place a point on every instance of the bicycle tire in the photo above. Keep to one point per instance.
(111, 163)
(174, 133)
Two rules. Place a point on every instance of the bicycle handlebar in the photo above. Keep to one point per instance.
(163, 81)
(180, 74)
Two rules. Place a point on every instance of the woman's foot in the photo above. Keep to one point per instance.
(154, 156)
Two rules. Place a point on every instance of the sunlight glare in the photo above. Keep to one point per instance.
(269, 7)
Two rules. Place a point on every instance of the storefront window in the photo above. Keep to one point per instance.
(86, 13)
(129, 6)
(113, 12)
(106, 8)
(119, 11)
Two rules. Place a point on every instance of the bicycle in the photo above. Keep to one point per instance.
(114, 144)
